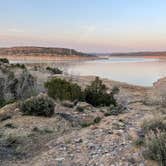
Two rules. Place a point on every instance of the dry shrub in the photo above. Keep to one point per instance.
(155, 147)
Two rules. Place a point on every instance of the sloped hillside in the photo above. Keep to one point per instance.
(40, 51)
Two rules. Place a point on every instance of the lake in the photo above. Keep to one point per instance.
(137, 71)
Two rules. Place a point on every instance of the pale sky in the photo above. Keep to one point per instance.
(85, 25)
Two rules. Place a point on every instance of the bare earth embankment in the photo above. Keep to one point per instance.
(40, 54)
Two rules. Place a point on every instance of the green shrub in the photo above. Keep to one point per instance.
(4, 60)
(115, 90)
(86, 124)
(22, 66)
(155, 148)
(139, 141)
(97, 95)
(63, 90)
(154, 124)
(54, 70)
(40, 105)
(3, 102)
(97, 119)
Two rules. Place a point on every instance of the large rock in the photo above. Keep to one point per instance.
(82, 106)
(159, 91)
(15, 83)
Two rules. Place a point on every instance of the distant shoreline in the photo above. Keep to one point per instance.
(45, 58)
(141, 54)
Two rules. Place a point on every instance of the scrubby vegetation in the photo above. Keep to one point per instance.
(154, 124)
(97, 119)
(40, 105)
(154, 140)
(155, 146)
(63, 90)
(4, 60)
(97, 94)
(22, 66)
(3, 102)
(54, 70)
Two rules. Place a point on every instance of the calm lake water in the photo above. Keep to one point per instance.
(138, 71)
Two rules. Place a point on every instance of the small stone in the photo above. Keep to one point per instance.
(79, 140)
(68, 104)
(82, 106)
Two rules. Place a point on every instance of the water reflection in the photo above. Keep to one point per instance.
(138, 71)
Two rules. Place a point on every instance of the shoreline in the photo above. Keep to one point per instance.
(44, 58)
(43, 61)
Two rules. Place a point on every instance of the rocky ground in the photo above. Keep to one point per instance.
(73, 137)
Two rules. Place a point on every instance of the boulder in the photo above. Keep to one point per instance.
(15, 83)
(68, 104)
(82, 106)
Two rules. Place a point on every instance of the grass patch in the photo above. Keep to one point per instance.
(139, 142)
(154, 141)
(155, 147)
(154, 124)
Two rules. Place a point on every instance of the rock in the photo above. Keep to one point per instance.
(15, 84)
(79, 140)
(141, 134)
(109, 131)
(104, 109)
(59, 161)
(68, 104)
(66, 116)
(118, 125)
(5, 117)
(8, 111)
(82, 106)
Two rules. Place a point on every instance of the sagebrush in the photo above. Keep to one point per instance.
(40, 105)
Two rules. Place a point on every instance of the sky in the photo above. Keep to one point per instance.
(84, 25)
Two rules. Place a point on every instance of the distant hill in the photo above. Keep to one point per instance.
(162, 54)
(49, 51)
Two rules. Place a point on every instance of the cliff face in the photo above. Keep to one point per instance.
(15, 83)
(40, 51)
